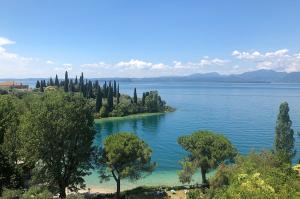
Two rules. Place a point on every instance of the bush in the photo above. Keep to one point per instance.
(11, 194)
(37, 192)
(75, 196)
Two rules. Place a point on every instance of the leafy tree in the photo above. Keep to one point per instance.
(10, 111)
(66, 83)
(135, 96)
(284, 135)
(206, 151)
(58, 130)
(125, 156)
(98, 99)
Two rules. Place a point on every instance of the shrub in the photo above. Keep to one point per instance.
(37, 192)
(11, 194)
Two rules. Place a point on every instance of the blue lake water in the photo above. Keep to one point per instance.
(245, 113)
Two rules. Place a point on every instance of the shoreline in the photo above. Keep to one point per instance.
(133, 116)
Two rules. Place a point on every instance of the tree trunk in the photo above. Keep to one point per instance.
(203, 174)
(62, 191)
(118, 188)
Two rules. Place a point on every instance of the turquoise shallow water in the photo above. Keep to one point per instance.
(245, 113)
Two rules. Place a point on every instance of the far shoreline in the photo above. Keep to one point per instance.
(133, 116)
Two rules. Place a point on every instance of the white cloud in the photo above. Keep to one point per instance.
(279, 60)
(5, 41)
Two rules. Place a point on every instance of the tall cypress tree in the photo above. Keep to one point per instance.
(115, 88)
(98, 99)
(118, 94)
(66, 84)
(110, 99)
(284, 135)
(105, 89)
(37, 85)
(76, 80)
(143, 99)
(51, 82)
(71, 86)
(56, 81)
(135, 96)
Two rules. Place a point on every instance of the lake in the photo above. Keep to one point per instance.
(243, 112)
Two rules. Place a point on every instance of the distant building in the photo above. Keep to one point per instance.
(12, 85)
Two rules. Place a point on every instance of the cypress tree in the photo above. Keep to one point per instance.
(135, 96)
(81, 84)
(71, 86)
(76, 80)
(56, 81)
(118, 94)
(51, 82)
(284, 135)
(66, 84)
(105, 89)
(98, 99)
(143, 99)
(115, 88)
(37, 85)
(110, 99)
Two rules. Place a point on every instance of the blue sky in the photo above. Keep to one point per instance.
(147, 38)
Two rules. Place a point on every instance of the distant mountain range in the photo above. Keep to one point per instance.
(258, 76)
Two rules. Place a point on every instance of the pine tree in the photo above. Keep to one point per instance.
(135, 96)
(284, 135)
(98, 99)
(56, 82)
(66, 84)
(37, 85)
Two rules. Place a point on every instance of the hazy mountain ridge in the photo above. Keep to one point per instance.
(258, 76)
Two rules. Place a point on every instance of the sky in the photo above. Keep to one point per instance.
(139, 38)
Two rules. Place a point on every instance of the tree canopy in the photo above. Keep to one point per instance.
(124, 155)
(206, 150)
(58, 132)
(284, 135)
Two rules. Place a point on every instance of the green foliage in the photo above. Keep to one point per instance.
(11, 194)
(75, 196)
(258, 176)
(125, 156)
(37, 192)
(206, 151)
(58, 130)
(284, 135)
(135, 99)
(10, 110)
